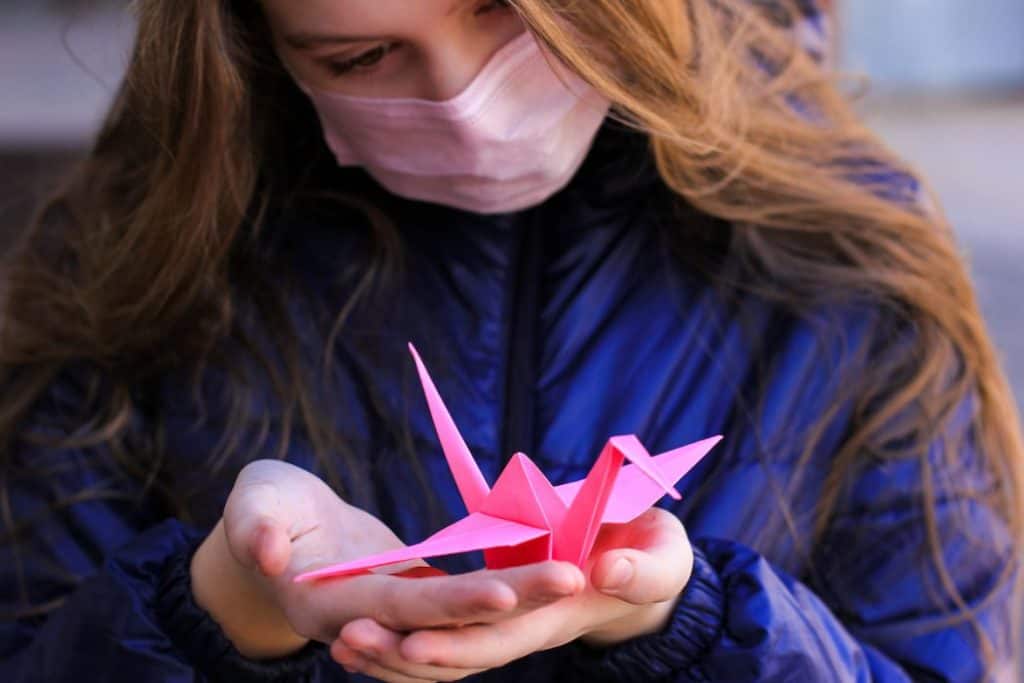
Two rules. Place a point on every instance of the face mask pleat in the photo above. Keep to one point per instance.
(509, 140)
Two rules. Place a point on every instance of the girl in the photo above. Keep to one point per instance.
(646, 216)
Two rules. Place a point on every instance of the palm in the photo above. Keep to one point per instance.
(282, 521)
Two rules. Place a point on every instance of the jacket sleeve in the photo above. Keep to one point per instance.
(98, 588)
(879, 613)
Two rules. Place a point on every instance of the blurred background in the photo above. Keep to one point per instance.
(946, 90)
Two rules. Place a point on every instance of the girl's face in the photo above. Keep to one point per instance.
(428, 49)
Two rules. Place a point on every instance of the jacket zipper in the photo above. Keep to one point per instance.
(518, 431)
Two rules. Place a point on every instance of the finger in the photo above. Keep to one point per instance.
(355, 663)
(381, 673)
(484, 646)
(380, 646)
(260, 517)
(654, 573)
(261, 541)
(272, 549)
(539, 584)
(485, 595)
(256, 524)
(405, 605)
(352, 661)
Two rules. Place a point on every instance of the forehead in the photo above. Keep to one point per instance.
(369, 17)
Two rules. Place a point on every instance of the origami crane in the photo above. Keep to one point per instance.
(524, 518)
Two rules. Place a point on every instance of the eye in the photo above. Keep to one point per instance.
(494, 5)
(363, 62)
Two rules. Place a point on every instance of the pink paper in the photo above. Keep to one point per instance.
(526, 519)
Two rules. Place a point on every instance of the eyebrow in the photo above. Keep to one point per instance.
(305, 40)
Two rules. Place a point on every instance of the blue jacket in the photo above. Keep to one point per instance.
(547, 330)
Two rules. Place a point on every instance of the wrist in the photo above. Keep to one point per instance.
(240, 601)
(644, 620)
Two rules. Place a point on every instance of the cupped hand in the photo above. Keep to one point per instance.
(637, 572)
(281, 520)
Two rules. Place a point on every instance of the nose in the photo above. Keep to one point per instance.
(453, 63)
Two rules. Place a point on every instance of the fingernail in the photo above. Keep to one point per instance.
(619, 575)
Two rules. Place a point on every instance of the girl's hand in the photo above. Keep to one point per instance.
(281, 520)
(619, 603)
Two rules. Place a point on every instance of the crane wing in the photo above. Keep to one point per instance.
(635, 491)
(478, 531)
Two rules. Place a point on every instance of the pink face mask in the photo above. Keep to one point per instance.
(511, 139)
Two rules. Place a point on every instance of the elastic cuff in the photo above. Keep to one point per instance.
(192, 629)
(695, 626)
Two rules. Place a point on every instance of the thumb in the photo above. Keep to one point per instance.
(257, 525)
(640, 577)
(270, 548)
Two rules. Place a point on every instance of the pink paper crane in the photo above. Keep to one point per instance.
(524, 518)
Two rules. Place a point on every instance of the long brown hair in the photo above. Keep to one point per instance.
(132, 267)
